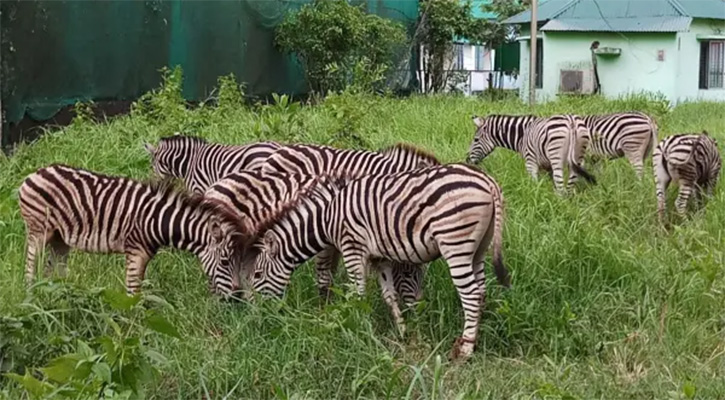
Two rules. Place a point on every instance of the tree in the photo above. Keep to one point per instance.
(333, 39)
(441, 21)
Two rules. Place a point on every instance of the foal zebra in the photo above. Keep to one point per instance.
(200, 164)
(692, 160)
(409, 217)
(545, 143)
(348, 164)
(257, 197)
(632, 135)
(65, 207)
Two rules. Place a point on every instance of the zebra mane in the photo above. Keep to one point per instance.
(319, 184)
(410, 148)
(177, 137)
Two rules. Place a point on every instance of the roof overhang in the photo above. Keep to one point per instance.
(645, 24)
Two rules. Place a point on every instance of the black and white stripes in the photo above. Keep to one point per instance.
(632, 135)
(553, 144)
(65, 207)
(691, 160)
(201, 164)
(410, 217)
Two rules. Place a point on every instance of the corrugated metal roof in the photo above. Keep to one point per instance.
(547, 10)
(643, 24)
(613, 9)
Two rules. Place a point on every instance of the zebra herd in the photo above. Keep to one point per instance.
(255, 212)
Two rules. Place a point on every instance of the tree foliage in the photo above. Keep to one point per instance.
(332, 39)
(442, 21)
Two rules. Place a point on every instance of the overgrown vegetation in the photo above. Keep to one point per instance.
(442, 22)
(605, 302)
(340, 45)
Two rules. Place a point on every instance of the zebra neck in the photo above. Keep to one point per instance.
(174, 222)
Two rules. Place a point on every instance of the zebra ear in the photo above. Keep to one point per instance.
(215, 228)
(478, 121)
(270, 243)
(149, 148)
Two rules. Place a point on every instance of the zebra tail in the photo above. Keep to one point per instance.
(573, 152)
(654, 129)
(499, 268)
(584, 173)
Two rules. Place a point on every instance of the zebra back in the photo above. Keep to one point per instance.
(325, 160)
(497, 130)
(200, 163)
(616, 134)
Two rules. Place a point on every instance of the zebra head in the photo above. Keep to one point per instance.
(222, 257)
(271, 272)
(172, 157)
(482, 144)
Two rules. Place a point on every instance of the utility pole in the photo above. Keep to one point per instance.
(532, 56)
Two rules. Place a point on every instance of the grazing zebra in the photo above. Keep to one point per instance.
(631, 135)
(350, 164)
(65, 207)
(257, 196)
(200, 164)
(692, 160)
(545, 143)
(454, 211)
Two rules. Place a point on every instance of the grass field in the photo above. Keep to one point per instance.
(605, 302)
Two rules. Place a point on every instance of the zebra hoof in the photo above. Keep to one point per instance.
(462, 349)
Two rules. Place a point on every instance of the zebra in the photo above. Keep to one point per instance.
(545, 143)
(631, 134)
(65, 207)
(257, 197)
(200, 163)
(690, 159)
(453, 210)
(349, 164)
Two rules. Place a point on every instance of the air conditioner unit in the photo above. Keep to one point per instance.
(576, 81)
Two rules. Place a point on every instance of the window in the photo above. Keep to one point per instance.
(458, 65)
(712, 64)
(480, 58)
(539, 63)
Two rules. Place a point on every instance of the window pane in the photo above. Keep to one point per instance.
(716, 65)
(539, 63)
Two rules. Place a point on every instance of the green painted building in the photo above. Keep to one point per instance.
(672, 47)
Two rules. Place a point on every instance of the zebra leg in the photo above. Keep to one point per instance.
(478, 262)
(558, 172)
(533, 167)
(390, 295)
(326, 264)
(460, 261)
(662, 181)
(34, 242)
(686, 188)
(636, 159)
(356, 266)
(136, 261)
(58, 256)
(408, 281)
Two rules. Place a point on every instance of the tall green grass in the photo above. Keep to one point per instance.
(605, 302)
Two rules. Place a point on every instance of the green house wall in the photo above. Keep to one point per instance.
(636, 70)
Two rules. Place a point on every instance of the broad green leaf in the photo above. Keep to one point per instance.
(689, 390)
(161, 325)
(102, 371)
(119, 300)
(84, 349)
(109, 348)
(157, 357)
(31, 384)
(62, 368)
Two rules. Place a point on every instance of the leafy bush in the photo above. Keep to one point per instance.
(93, 343)
(335, 40)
